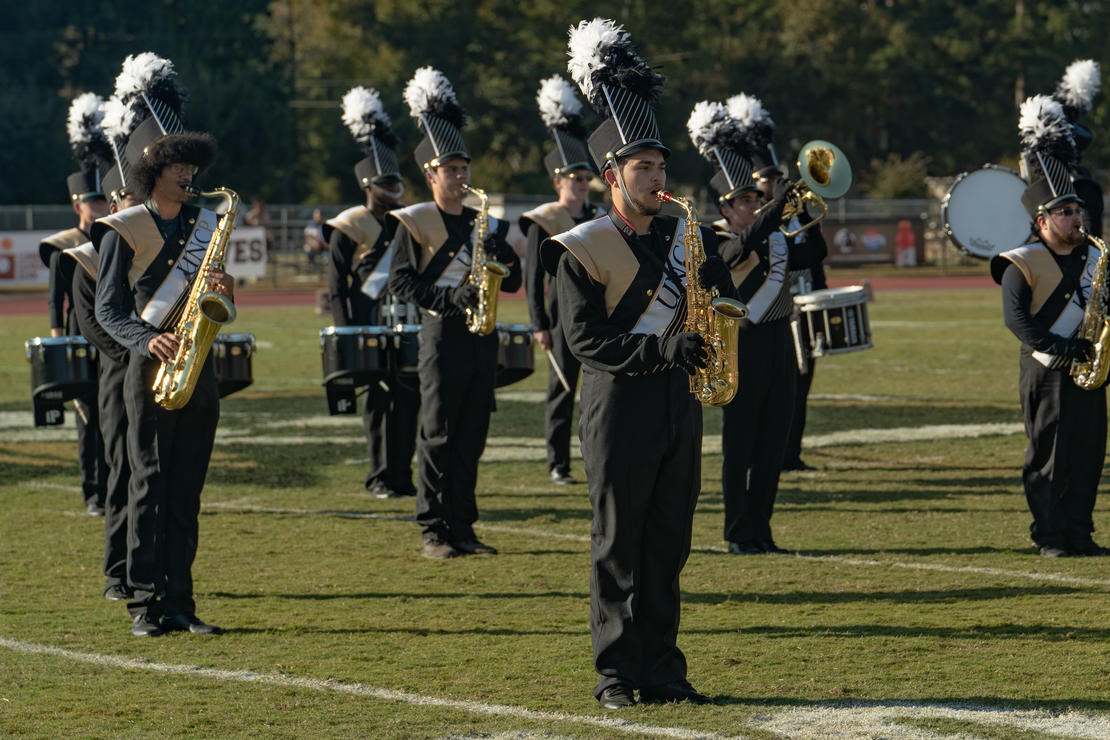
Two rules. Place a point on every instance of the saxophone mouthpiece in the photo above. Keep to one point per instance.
(191, 190)
(664, 196)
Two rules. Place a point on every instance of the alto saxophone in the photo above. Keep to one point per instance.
(486, 274)
(1091, 374)
(716, 319)
(205, 312)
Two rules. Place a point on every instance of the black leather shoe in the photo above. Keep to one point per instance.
(618, 696)
(676, 691)
(769, 546)
(1090, 548)
(561, 478)
(1051, 551)
(474, 547)
(145, 625)
(190, 623)
(117, 592)
(745, 548)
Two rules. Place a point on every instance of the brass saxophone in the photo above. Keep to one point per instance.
(1091, 374)
(485, 274)
(205, 312)
(716, 319)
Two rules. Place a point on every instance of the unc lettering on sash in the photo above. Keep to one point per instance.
(669, 297)
(776, 274)
(162, 306)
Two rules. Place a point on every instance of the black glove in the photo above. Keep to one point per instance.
(499, 249)
(687, 350)
(779, 188)
(714, 273)
(464, 296)
(1078, 348)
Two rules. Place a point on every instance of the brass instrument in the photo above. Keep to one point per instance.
(205, 313)
(825, 173)
(1091, 374)
(485, 274)
(716, 319)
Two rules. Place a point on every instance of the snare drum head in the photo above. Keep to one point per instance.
(982, 211)
(822, 299)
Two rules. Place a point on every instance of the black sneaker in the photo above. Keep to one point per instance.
(1051, 551)
(146, 625)
(745, 548)
(117, 592)
(189, 623)
(474, 547)
(561, 477)
(92, 508)
(438, 549)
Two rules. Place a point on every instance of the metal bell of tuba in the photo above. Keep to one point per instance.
(824, 173)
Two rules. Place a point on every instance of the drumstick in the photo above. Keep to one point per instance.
(558, 371)
(80, 411)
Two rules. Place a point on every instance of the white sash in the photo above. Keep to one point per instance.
(376, 281)
(764, 298)
(1072, 315)
(669, 296)
(180, 278)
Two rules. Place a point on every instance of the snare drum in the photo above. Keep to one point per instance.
(835, 321)
(515, 359)
(358, 355)
(406, 350)
(982, 211)
(62, 368)
(232, 362)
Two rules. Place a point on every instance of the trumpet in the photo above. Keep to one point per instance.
(824, 173)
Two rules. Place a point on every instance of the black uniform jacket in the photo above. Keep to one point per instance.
(357, 243)
(537, 225)
(51, 250)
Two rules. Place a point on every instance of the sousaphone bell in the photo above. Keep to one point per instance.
(824, 173)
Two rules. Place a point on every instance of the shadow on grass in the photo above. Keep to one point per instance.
(407, 595)
(1004, 703)
(908, 596)
(1038, 632)
(414, 631)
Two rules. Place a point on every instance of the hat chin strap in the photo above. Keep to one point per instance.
(620, 184)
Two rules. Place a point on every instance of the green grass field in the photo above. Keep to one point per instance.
(916, 607)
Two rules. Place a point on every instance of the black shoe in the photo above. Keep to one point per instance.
(617, 696)
(438, 549)
(769, 546)
(190, 623)
(1051, 551)
(146, 625)
(474, 547)
(94, 509)
(745, 548)
(799, 464)
(381, 490)
(1087, 549)
(676, 691)
(562, 478)
(117, 592)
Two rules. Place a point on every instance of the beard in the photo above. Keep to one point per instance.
(649, 206)
(1071, 238)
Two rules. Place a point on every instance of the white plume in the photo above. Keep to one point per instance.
(557, 101)
(139, 73)
(1081, 81)
(748, 111)
(85, 120)
(704, 122)
(1040, 118)
(362, 109)
(427, 90)
(119, 120)
(586, 46)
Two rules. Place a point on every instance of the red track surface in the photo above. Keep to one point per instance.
(29, 304)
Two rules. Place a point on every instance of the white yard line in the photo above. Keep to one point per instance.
(280, 680)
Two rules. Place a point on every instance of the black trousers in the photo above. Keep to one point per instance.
(559, 403)
(641, 444)
(756, 427)
(390, 419)
(90, 452)
(802, 384)
(113, 428)
(1066, 427)
(169, 453)
(457, 372)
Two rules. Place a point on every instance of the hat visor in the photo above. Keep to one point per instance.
(1062, 200)
(727, 197)
(572, 166)
(447, 157)
(85, 197)
(765, 173)
(640, 145)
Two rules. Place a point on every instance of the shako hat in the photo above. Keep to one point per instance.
(371, 128)
(1049, 153)
(621, 87)
(85, 128)
(561, 112)
(438, 115)
(720, 139)
(759, 129)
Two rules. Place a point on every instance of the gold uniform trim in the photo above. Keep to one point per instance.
(137, 227)
(551, 217)
(1039, 269)
(86, 256)
(426, 227)
(605, 255)
(359, 225)
(67, 239)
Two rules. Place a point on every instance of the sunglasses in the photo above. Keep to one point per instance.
(578, 176)
(1066, 212)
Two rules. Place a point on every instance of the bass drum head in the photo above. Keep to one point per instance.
(982, 211)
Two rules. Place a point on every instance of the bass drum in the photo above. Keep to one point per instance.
(982, 211)
(515, 359)
(232, 362)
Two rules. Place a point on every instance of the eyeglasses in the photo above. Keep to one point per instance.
(1067, 212)
(180, 168)
(578, 176)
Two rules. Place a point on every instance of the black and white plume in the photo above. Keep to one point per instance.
(85, 126)
(429, 93)
(148, 86)
(603, 60)
(713, 130)
(1077, 89)
(753, 119)
(559, 106)
(1045, 129)
(366, 119)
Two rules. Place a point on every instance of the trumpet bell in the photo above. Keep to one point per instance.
(825, 169)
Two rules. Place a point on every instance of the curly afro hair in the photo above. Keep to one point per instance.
(197, 149)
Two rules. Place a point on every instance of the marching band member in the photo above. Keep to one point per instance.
(360, 244)
(570, 169)
(432, 254)
(1046, 285)
(757, 422)
(621, 291)
(149, 255)
(86, 137)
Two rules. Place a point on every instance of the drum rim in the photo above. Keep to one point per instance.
(834, 294)
(236, 337)
(328, 331)
(944, 206)
(55, 341)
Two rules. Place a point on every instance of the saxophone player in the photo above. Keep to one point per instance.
(432, 250)
(1046, 287)
(149, 255)
(621, 282)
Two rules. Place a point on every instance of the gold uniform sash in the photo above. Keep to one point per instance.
(137, 227)
(551, 217)
(426, 227)
(360, 226)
